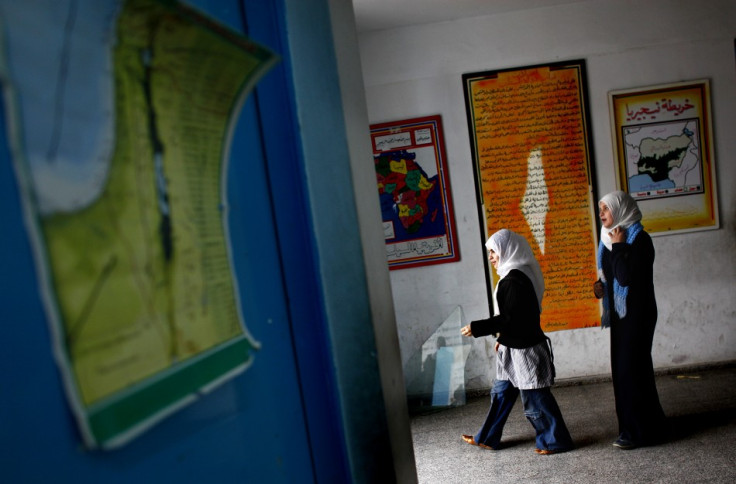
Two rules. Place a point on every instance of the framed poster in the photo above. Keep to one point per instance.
(663, 145)
(530, 142)
(414, 191)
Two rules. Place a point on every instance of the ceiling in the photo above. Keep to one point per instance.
(389, 14)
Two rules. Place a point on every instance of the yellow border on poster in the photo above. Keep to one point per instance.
(648, 126)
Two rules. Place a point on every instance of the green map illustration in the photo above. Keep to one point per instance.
(131, 235)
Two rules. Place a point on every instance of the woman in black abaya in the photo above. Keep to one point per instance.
(625, 268)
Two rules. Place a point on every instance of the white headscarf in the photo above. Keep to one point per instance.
(624, 212)
(514, 252)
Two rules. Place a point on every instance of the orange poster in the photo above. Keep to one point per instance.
(530, 144)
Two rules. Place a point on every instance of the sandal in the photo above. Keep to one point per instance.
(470, 440)
(549, 451)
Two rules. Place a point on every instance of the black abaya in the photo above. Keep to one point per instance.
(640, 416)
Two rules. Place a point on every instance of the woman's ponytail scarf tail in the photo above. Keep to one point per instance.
(619, 292)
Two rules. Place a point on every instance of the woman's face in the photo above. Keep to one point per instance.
(493, 257)
(605, 215)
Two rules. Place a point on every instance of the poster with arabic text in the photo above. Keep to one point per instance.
(663, 144)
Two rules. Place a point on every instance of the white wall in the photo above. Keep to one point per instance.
(416, 71)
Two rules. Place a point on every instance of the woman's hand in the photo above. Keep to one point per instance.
(598, 289)
(617, 235)
(495, 347)
(465, 330)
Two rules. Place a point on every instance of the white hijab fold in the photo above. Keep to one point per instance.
(514, 252)
(624, 212)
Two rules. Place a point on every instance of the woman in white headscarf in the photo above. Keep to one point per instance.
(625, 268)
(524, 355)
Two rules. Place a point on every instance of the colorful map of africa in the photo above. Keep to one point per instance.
(401, 177)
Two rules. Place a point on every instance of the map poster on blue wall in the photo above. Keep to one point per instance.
(663, 142)
(120, 118)
(414, 192)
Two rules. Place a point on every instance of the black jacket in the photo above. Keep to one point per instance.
(518, 321)
(633, 266)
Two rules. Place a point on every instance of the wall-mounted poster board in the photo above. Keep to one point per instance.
(663, 143)
(130, 229)
(530, 142)
(414, 191)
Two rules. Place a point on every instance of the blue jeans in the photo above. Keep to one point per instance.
(540, 408)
